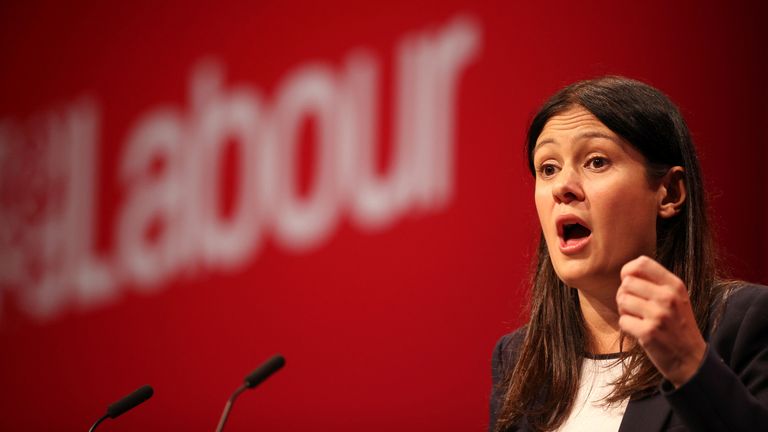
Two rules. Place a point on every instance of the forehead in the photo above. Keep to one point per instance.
(576, 117)
(573, 124)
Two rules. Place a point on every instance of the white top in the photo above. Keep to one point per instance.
(589, 412)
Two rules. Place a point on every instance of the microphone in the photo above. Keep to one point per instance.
(118, 408)
(253, 379)
(263, 372)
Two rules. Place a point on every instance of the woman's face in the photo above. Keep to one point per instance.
(596, 206)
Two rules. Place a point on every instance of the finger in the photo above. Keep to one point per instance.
(647, 268)
(639, 287)
(645, 333)
(651, 310)
(633, 326)
(629, 304)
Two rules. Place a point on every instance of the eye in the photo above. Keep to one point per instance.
(547, 169)
(597, 163)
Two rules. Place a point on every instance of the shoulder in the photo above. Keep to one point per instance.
(745, 295)
(511, 341)
(743, 321)
(506, 350)
(505, 355)
(743, 303)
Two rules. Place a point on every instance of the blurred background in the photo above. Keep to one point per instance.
(187, 188)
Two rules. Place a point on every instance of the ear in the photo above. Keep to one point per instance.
(672, 192)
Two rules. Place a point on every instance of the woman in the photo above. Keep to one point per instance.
(630, 329)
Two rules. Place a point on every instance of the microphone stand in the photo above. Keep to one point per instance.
(261, 373)
(104, 417)
(228, 407)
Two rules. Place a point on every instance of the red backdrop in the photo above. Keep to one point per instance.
(189, 188)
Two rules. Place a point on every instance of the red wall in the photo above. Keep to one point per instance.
(185, 190)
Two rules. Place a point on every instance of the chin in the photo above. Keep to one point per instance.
(588, 281)
(574, 281)
(575, 274)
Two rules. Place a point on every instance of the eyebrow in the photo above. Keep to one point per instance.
(585, 134)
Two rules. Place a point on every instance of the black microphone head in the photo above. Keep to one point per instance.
(140, 395)
(264, 371)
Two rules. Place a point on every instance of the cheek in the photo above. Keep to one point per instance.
(627, 213)
(544, 209)
(543, 206)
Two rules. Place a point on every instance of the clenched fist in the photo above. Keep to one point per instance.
(655, 309)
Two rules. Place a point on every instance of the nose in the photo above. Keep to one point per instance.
(568, 187)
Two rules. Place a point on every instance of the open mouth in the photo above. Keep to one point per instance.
(575, 232)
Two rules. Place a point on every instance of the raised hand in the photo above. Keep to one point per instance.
(655, 309)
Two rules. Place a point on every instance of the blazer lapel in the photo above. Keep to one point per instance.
(648, 414)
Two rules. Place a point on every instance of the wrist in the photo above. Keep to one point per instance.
(688, 366)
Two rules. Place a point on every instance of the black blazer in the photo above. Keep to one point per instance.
(729, 392)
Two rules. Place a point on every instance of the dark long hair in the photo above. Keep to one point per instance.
(543, 384)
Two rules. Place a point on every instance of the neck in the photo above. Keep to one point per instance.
(601, 319)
